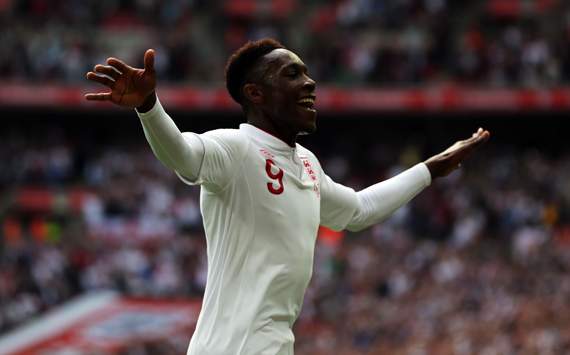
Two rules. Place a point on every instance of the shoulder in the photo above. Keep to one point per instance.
(225, 140)
(224, 136)
(227, 134)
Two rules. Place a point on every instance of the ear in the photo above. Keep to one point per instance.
(252, 92)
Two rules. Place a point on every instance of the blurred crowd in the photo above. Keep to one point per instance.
(501, 43)
(477, 264)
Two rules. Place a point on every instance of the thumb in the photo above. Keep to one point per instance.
(149, 60)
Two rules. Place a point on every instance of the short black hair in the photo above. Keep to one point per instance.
(242, 61)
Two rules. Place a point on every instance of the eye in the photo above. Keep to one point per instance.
(292, 73)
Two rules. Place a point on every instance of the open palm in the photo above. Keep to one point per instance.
(129, 86)
(445, 162)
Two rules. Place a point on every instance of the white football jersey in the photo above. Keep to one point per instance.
(262, 202)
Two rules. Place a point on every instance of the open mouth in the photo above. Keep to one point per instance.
(307, 102)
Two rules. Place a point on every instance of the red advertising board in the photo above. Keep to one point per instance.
(329, 99)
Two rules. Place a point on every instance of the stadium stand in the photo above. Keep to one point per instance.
(402, 43)
(478, 264)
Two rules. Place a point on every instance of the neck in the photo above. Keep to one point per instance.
(268, 125)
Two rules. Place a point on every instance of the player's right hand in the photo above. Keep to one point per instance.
(130, 87)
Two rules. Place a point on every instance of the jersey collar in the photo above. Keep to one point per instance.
(266, 138)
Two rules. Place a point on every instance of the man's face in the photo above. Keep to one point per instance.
(289, 92)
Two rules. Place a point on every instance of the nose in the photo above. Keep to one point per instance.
(309, 83)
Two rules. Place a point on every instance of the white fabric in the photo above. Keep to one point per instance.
(262, 202)
(167, 143)
(379, 201)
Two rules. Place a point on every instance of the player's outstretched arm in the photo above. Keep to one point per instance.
(450, 159)
(129, 87)
(135, 88)
(379, 201)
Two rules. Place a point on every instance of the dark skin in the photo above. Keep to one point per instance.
(280, 102)
(275, 101)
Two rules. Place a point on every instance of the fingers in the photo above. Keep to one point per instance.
(483, 135)
(118, 64)
(103, 96)
(107, 70)
(480, 136)
(100, 79)
(149, 60)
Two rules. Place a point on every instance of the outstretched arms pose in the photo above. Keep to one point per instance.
(135, 88)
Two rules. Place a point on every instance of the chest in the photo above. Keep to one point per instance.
(285, 188)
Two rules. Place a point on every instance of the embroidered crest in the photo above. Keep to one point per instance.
(312, 174)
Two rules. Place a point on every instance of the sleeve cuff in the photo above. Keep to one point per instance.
(156, 111)
(424, 172)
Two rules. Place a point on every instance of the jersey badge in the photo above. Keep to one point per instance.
(311, 172)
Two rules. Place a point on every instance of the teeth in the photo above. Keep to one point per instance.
(307, 100)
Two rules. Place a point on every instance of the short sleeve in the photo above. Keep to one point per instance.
(338, 204)
(223, 151)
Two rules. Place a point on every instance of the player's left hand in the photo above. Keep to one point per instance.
(445, 162)
(129, 87)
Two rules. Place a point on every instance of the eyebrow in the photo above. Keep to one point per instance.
(296, 65)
